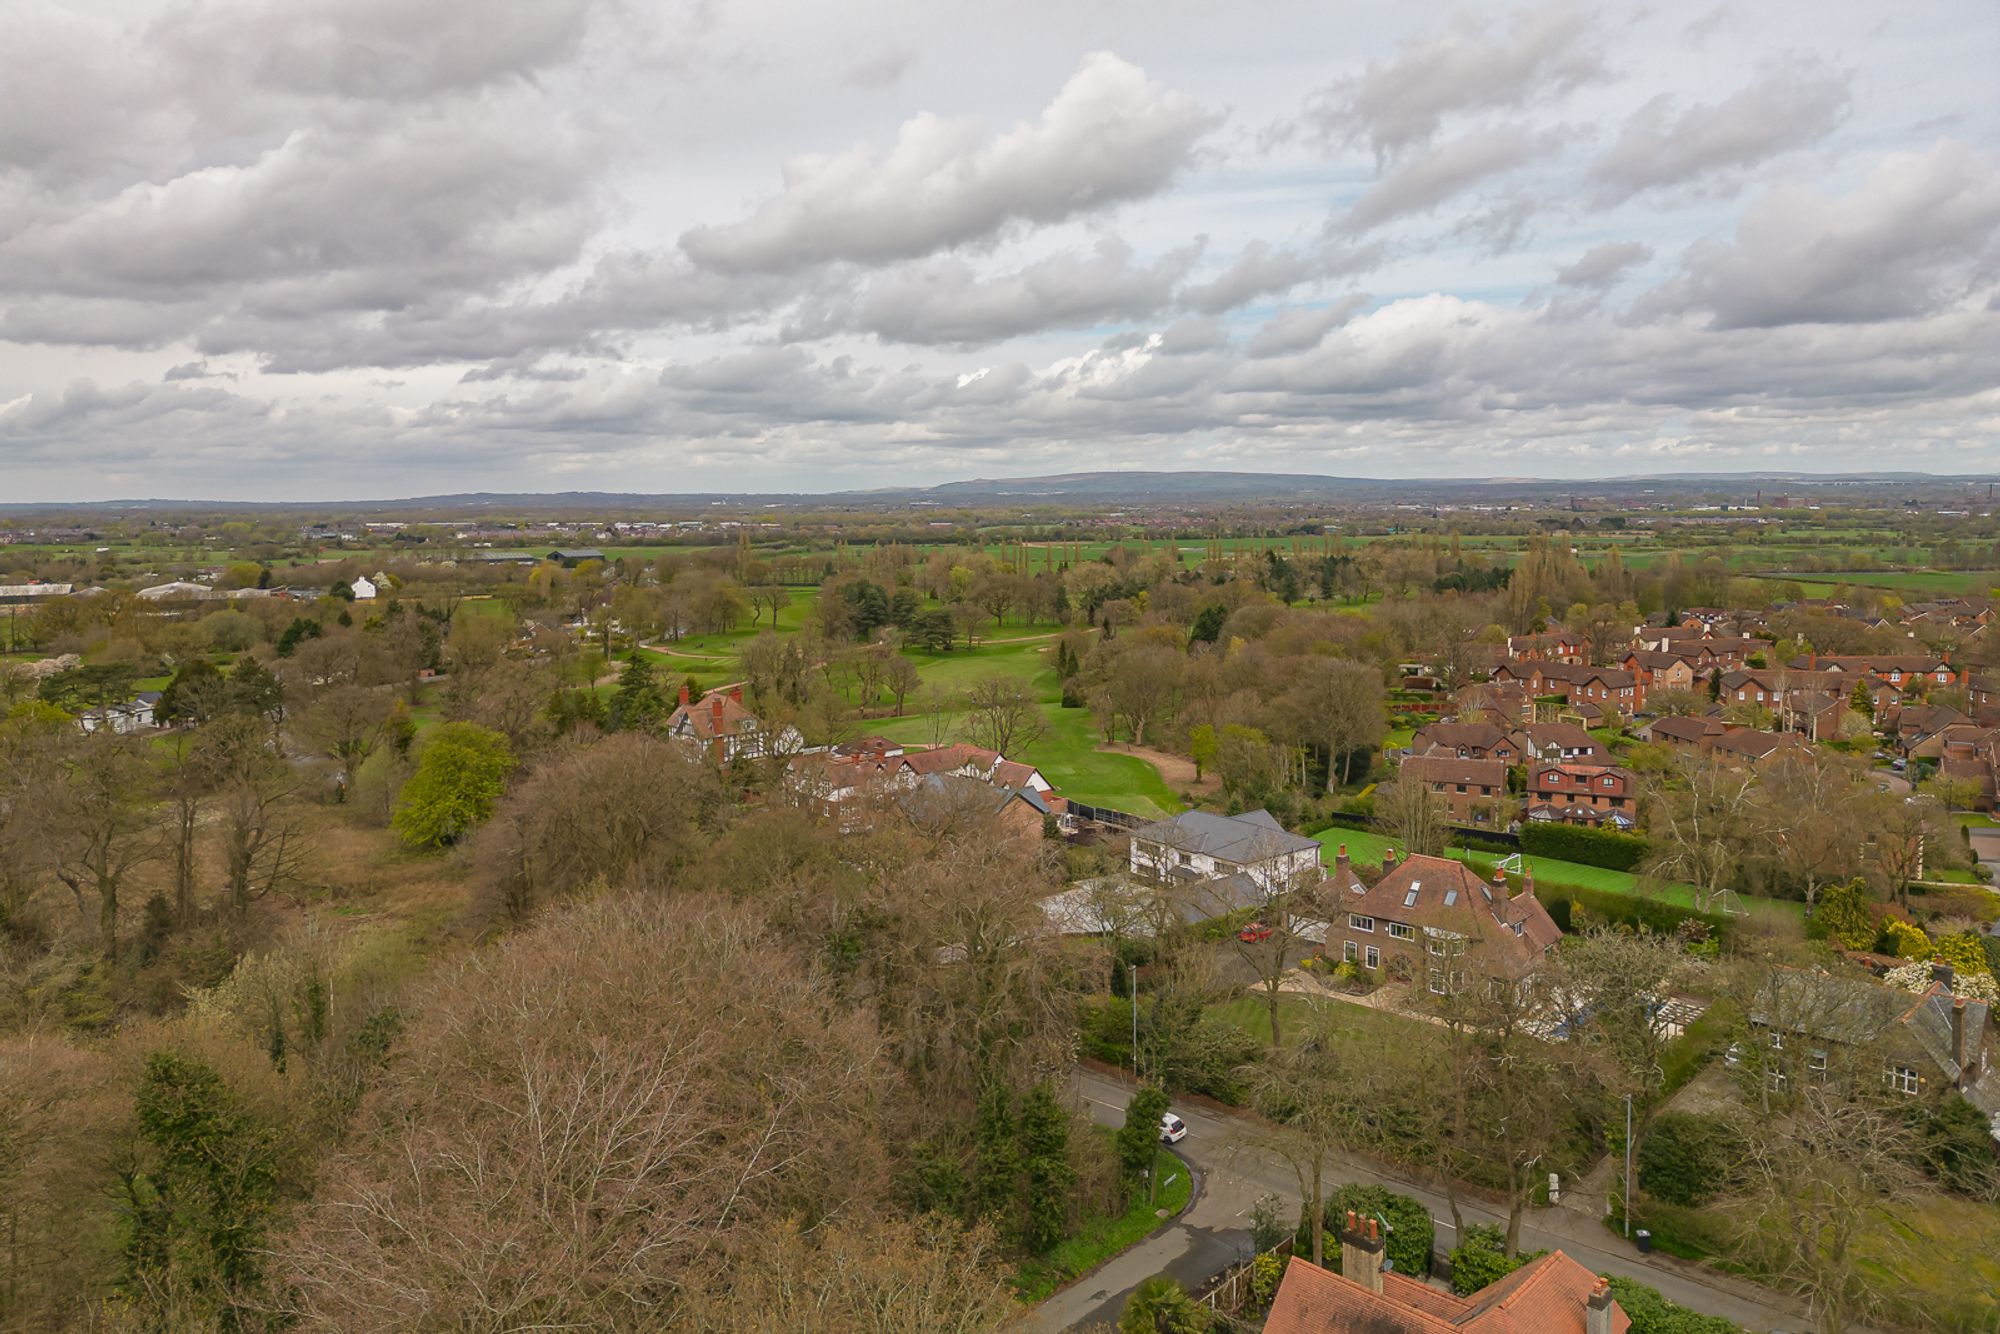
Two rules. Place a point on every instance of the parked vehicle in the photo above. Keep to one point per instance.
(1172, 1129)
(1254, 934)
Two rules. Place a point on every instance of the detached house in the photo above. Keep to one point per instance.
(1465, 741)
(1433, 919)
(1557, 743)
(1587, 794)
(1807, 1025)
(1550, 1295)
(1200, 845)
(1472, 791)
(726, 731)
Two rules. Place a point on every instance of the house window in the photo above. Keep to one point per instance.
(1357, 922)
(1350, 951)
(1374, 957)
(1816, 1062)
(1902, 1079)
(1437, 982)
(1401, 931)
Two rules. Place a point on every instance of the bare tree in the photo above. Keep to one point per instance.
(1698, 825)
(1003, 715)
(262, 839)
(97, 833)
(1409, 812)
(345, 723)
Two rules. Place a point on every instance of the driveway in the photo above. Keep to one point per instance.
(1233, 1170)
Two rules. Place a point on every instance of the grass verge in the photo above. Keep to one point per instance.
(1104, 1236)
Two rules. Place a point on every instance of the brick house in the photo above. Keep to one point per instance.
(1473, 791)
(1553, 645)
(1654, 670)
(1587, 794)
(1465, 741)
(1432, 918)
(1549, 1295)
(1612, 688)
(1814, 1025)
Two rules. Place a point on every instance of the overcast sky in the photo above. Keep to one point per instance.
(298, 249)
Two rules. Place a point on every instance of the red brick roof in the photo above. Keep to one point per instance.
(1545, 1296)
(1439, 892)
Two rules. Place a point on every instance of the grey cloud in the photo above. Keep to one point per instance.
(1788, 107)
(384, 50)
(195, 370)
(1302, 327)
(1451, 168)
(1463, 67)
(1910, 238)
(881, 71)
(945, 301)
(1261, 270)
(1603, 265)
(1110, 135)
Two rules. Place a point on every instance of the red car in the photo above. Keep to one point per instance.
(1254, 934)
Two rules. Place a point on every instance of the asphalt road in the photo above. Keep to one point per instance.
(1233, 1170)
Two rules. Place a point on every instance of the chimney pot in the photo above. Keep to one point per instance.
(1361, 1253)
(1597, 1311)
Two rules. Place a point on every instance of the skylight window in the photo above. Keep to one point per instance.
(1410, 899)
(1450, 897)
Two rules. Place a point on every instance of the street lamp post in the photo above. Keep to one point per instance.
(1132, 995)
(1628, 1167)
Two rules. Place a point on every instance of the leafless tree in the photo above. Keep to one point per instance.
(1003, 715)
(97, 833)
(1410, 813)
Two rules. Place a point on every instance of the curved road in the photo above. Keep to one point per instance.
(1233, 1170)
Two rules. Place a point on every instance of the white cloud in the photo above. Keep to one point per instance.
(1917, 234)
(1789, 106)
(1110, 135)
(1462, 67)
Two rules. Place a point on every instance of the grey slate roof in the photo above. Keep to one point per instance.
(1251, 837)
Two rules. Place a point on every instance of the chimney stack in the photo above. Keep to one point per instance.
(1361, 1252)
(1388, 860)
(1966, 1060)
(721, 737)
(684, 694)
(1941, 972)
(1597, 1311)
(1527, 880)
(736, 693)
(1340, 862)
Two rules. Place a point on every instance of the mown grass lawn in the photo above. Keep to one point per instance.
(1103, 1236)
(1367, 846)
(1299, 1015)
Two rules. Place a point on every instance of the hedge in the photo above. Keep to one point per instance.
(1650, 1313)
(1632, 909)
(1592, 847)
(1685, 1159)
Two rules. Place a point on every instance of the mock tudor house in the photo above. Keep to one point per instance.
(726, 731)
(1431, 919)
(1472, 791)
(1557, 743)
(1200, 845)
(1552, 1294)
(1898, 669)
(1586, 794)
(1465, 741)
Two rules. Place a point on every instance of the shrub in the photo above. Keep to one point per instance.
(1592, 847)
(460, 775)
(1411, 1232)
(1650, 1313)
(1902, 940)
(1964, 951)
(1481, 1258)
(1845, 917)
(1684, 1159)
(1569, 904)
